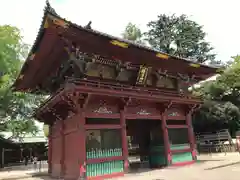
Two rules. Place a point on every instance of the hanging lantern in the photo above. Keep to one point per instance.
(46, 130)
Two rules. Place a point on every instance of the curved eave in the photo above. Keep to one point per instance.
(48, 10)
(208, 70)
(51, 101)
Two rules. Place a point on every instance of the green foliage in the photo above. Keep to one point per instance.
(222, 100)
(133, 33)
(15, 108)
(180, 36)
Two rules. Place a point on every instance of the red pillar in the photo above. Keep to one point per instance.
(191, 136)
(63, 149)
(82, 143)
(50, 150)
(166, 139)
(124, 140)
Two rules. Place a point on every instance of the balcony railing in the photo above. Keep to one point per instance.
(127, 88)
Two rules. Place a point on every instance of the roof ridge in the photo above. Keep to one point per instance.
(49, 8)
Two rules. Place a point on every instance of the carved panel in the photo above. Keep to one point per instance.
(103, 105)
(175, 112)
(142, 108)
(126, 75)
(166, 82)
(93, 69)
(108, 72)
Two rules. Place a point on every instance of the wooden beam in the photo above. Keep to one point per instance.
(103, 115)
(177, 126)
(190, 130)
(135, 94)
(103, 126)
(81, 120)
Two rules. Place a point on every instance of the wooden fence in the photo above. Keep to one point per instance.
(212, 142)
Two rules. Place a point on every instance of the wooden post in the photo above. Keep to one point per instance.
(63, 149)
(166, 139)
(21, 154)
(124, 139)
(82, 143)
(30, 153)
(191, 135)
(50, 150)
(3, 154)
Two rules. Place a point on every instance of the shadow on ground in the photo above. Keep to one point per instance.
(224, 165)
(138, 167)
(208, 160)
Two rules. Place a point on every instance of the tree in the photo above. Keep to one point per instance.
(222, 101)
(15, 108)
(133, 33)
(180, 36)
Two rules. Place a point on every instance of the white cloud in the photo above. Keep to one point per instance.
(220, 18)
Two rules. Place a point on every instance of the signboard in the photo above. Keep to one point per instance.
(142, 75)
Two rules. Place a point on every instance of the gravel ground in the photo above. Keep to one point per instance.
(215, 167)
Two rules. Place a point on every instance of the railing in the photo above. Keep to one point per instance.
(128, 88)
(104, 161)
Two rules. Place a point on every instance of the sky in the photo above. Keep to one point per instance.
(219, 18)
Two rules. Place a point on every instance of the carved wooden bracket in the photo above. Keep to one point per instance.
(165, 106)
(86, 100)
(193, 108)
(125, 103)
(52, 111)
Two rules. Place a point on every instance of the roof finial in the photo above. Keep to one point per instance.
(49, 8)
(88, 26)
(48, 4)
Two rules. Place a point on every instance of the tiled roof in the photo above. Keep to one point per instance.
(28, 138)
(51, 11)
